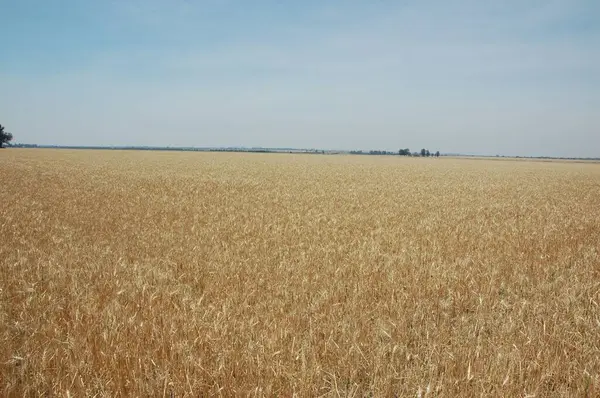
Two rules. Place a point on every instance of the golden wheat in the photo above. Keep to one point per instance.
(194, 274)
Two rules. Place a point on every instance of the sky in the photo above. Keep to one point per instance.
(513, 77)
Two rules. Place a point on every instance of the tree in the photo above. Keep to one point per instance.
(5, 137)
(437, 154)
(423, 152)
(427, 153)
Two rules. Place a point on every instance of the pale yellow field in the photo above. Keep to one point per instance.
(195, 274)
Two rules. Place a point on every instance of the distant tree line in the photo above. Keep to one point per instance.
(6, 137)
(424, 153)
(373, 152)
(402, 152)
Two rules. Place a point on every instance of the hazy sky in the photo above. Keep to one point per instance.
(513, 77)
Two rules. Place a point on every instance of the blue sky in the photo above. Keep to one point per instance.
(510, 77)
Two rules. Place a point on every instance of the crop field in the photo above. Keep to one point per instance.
(180, 274)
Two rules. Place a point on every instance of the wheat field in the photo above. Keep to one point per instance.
(178, 274)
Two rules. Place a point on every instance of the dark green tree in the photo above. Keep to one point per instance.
(437, 154)
(427, 153)
(5, 136)
(423, 152)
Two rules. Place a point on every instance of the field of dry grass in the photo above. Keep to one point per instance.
(195, 274)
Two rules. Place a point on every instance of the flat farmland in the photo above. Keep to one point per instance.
(134, 273)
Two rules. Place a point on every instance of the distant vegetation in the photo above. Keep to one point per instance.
(5, 136)
(401, 152)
